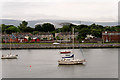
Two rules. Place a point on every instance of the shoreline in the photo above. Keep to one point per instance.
(61, 46)
(58, 48)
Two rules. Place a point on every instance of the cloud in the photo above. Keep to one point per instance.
(61, 9)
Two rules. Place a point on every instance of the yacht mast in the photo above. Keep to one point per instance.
(73, 41)
(73, 37)
(10, 45)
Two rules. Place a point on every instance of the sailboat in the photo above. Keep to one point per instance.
(68, 57)
(10, 56)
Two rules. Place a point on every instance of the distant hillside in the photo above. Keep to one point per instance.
(10, 22)
(107, 23)
(57, 23)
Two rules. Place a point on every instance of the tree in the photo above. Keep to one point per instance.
(12, 29)
(29, 29)
(38, 27)
(117, 28)
(47, 27)
(96, 33)
(4, 27)
(35, 32)
(66, 28)
(96, 30)
(29, 39)
(82, 26)
(23, 26)
(57, 38)
(57, 30)
(83, 32)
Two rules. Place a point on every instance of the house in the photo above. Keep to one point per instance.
(108, 36)
(65, 36)
(46, 36)
(89, 36)
(93, 40)
(5, 38)
(8, 38)
(24, 37)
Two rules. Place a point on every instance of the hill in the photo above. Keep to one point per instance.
(57, 23)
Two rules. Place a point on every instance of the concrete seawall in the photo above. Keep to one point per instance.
(61, 46)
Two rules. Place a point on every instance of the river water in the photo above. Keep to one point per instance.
(42, 63)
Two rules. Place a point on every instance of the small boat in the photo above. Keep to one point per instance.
(56, 43)
(9, 56)
(65, 51)
(68, 57)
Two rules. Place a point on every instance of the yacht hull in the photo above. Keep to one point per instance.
(67, 62)
(9, 57)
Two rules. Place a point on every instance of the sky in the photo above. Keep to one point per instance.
(84, 10)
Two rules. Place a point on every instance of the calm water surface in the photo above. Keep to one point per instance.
(101, 63)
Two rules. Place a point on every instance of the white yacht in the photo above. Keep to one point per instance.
(10, 56)
(68, 57)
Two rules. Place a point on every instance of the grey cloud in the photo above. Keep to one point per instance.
(58, 10)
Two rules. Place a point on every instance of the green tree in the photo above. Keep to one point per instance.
(23, 26)
(57, 37)
(29, 29)
(47, 27)
(96, 30)
(81, 26)
(96, 33)
(29, 39)
(35, 32)
(3, 27)
(38, 27)
(66, 28)
(12, 29)
(57, 30)
(83, 32)
(117, 28)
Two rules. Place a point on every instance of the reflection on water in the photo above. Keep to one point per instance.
(70, 68)
(42, 63)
